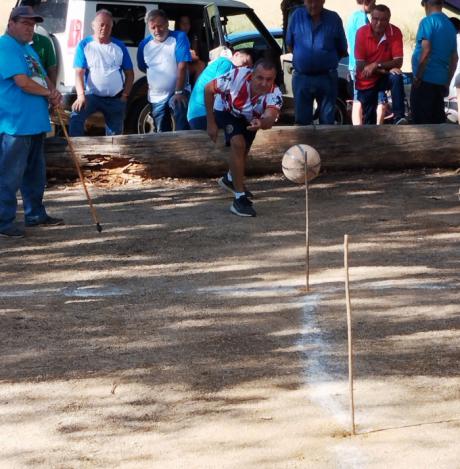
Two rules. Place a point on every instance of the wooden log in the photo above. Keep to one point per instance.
(192, 154)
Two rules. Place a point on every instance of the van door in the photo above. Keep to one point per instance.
(214, 31)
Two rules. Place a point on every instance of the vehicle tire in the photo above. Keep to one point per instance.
(139, 118)
(341, 115)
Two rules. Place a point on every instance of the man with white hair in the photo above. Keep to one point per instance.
(103, 78)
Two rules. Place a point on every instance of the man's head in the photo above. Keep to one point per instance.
(102, 26)
(263, 77)
(432, 5)
(367, 5)
(314, 7)
(380, 18)
(157, 21)
(22, 22)
(243, 58)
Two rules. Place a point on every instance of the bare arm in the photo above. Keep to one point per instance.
(180, 83)
(30, 86)
(129, 80)
(80, 87)
(424, 57)
(266, 121)
(52, 75)
(369, 68)
(209, 93)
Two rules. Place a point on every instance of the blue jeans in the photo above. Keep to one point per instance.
(162, 110)
(22, 166)
(322, 88)
(113, 110)
(369, 98)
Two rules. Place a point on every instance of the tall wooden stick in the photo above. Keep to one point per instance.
(307, 230)
(350, 337)
(80, 174)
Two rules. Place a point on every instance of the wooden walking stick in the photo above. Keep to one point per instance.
(350, 338)
(80, 174)
(307, 234)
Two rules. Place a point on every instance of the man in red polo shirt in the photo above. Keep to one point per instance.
(379, 57)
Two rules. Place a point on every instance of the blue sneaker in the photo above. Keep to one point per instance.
(48, 221)
(12, 232)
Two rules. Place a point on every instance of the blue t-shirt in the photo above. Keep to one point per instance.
(21, 113)
(357, 20)
(316, 48)
(441, 33)
(217, 68)
(104, 65)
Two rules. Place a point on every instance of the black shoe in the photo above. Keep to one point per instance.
(12, 232)
(242, 207)
(226, 184)
(48, 221)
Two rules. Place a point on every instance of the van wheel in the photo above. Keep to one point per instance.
(341, 116)
(140, 120)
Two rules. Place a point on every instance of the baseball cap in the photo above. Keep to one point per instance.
(25, 11)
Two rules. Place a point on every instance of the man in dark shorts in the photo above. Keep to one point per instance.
(245, 101)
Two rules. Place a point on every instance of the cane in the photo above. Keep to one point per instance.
(80, 174)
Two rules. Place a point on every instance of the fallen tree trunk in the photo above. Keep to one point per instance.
(192, 154)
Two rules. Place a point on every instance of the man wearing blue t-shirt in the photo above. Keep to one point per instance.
(317, 40)
(25, 93)
(433, 64)
(164, 57)
(196, 113)
(103, 78)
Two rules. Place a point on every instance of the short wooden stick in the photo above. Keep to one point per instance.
(350, 337)
(307, 231)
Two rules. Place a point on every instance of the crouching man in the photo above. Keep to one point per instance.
(246, 101)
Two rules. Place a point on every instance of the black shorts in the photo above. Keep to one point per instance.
(232, 125)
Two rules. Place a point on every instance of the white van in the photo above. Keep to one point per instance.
(69, 21)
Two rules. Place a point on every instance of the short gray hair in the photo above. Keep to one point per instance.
(105, 12)
(152, 14)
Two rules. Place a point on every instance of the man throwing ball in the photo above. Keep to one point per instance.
(241, 102)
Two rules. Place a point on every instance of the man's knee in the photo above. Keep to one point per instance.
(238, 145)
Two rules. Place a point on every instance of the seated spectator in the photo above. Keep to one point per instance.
(379, 57)
(197, 65)
(164, 56)
(103, 78)
(196, 113)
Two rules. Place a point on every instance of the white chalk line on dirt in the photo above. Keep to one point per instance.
(84, 291)
(323, 388)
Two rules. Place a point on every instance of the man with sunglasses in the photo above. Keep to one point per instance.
(433, 63)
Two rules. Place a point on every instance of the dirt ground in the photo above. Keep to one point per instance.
(181, 336)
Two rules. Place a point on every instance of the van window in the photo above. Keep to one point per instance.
(128, 22)
(54, 13)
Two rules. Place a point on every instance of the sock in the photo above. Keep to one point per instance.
(229, 176)
(239, 194)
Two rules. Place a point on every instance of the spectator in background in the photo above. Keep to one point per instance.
(196, 66)
(25, 94)
(456, 79)
(164, 56)
(434, 61)
(103, 78)
(317, 40)
(196, 113)
(358, 19)
(379, 58)
(250, 101)
(43, 46)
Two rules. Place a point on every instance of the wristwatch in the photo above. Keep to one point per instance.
(179, 92)
(379, 65)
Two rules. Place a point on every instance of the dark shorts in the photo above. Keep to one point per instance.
(232, 126)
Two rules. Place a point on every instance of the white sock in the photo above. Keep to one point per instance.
(229, 176)
(239, 194)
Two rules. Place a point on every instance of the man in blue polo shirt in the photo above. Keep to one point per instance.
(317, 40)
(164, 57)
(25, 93)
(103, 78)
(433, 63)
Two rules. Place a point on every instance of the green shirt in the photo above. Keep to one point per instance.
(45, 50)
